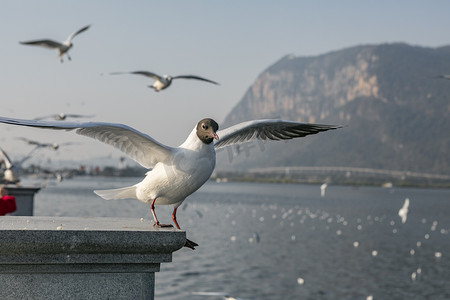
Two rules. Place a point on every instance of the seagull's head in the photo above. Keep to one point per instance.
(206, 130)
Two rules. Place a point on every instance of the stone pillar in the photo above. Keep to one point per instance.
(82, 258)
(24, 199)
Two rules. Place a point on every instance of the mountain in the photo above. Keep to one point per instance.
(395, 112)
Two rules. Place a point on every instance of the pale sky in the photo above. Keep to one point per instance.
(230, 42)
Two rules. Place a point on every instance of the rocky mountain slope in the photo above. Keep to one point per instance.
(395, 111)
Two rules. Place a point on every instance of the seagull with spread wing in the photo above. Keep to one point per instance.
(163, 82)
(62, 47)
(12, 169)
(52, 146)
(175, 172)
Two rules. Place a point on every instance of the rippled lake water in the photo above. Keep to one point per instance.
(285, 241)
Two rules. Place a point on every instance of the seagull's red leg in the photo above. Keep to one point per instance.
(190, 244)
(152, 209)
(174, 218)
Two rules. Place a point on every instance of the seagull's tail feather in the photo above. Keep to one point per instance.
(122, 193)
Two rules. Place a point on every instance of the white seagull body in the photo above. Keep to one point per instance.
(176, 172)
(163, 82)
(62, 47)
(403, 211)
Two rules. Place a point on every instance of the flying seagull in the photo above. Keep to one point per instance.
(52, 146)
(444, 76)
(176, 172)
(63, 116)
(403, 211)
(12, 169)
(163, 82)
(63, 47)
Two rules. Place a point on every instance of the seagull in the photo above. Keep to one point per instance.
(444, 76)
(175, 172)
(62, 47)
(51, 146)
(322, 189)
(11, 173)
(163, 82)
(224, 296)
(403, 212)
(63, 116)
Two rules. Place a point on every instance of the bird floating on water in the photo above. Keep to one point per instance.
(175, 172)
(163, 82)
(62, 47)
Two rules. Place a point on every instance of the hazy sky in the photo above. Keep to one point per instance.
(231, 42)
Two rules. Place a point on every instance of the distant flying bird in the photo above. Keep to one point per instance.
(444, 76)
(63, 116)
(52, 146)
(12, 169)
(62, 47)
(403, 212)
(224, 296)
(163, 82)
(176, 172)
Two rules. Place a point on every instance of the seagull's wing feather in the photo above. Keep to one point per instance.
(46, 117)
(5, 157)
(148, 74)
(70, 37)
(145, 73)
(267, 130)
(142, 148)
(78, 116)
(43, 43)
(30, 142)
(194, 77)
(29, 155)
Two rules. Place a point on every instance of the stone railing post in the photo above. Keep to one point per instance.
(24, 199)
(82, 258)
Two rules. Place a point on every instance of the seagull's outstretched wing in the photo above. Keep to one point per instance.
(267, 130)
(5, 158)
(43, 43)
(70, 37)
(140, 147)
(145, 73)
(194, 77)
(29, 142)
(79, 116)
(46, 117)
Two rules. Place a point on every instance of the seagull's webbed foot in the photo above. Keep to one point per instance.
(159, 225)
(190, 244)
